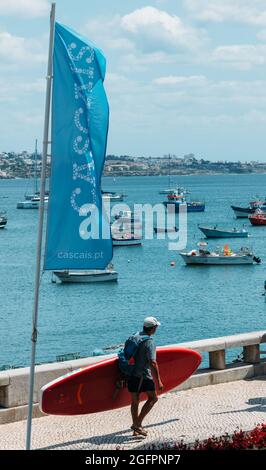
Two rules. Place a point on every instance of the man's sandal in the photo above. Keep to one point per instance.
(137, 430)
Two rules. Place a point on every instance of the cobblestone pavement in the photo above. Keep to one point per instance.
(187, 415)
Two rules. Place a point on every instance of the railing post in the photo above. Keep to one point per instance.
(217, 359)
(252, 353)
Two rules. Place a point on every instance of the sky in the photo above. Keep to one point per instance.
(183, 76)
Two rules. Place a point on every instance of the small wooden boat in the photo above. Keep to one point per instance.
(165, 229)
(214, 232)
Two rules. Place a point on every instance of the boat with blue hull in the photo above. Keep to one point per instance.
(179, 200)
(193, 206)
(214, 232)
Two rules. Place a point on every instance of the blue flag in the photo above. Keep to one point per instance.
(78, 232)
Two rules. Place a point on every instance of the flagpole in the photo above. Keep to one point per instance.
(40, 225)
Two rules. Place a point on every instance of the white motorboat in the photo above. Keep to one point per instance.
(126, 239)
(78, 276)
(127, 217)
(111, 196)
(29, 197)
(33, 203)
(3, 219)
(222, 257)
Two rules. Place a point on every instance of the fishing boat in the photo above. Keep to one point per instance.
(191, 206)
(3, 219)
(258, 218)
(177, 200)
(171, 187)
(214, 232)
(245, 212)
(86, 276)
(178, 189)
(226, 256)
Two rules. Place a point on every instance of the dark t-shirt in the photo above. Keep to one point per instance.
(146, 352)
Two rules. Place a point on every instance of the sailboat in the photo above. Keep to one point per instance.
(32, 201)
(86, 276)
(170, 188)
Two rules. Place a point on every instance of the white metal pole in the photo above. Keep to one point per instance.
(40, 227)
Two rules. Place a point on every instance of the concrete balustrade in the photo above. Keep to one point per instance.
(216, 347)
(14, 382)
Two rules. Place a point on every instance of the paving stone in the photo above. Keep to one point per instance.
(187, 415)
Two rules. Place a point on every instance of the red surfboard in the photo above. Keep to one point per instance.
(94, 388)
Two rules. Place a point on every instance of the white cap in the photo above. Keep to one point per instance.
(149, 322)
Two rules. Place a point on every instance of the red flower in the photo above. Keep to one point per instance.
(255, 439)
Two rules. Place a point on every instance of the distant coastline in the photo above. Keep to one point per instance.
(22, 165)
(155, 175)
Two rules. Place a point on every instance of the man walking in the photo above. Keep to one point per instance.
(141, 379)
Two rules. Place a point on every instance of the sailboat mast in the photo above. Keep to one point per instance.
(35, 169)
(169, 177)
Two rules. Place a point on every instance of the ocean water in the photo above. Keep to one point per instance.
(191, 302)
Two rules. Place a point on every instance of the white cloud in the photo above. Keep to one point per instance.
(180, 80)
(18, 92)
(156, 30)
(107, 34)
(240, 11)
(24, 8)
(197, 94)
(15, 49)
(146, 31)
(261, 35)
(118, 84)
(255, 116)
(38, 86)
(241, 57)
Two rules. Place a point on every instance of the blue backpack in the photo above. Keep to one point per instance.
(126, 355)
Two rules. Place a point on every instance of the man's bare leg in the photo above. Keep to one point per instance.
(148, 405)
(135, 408)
